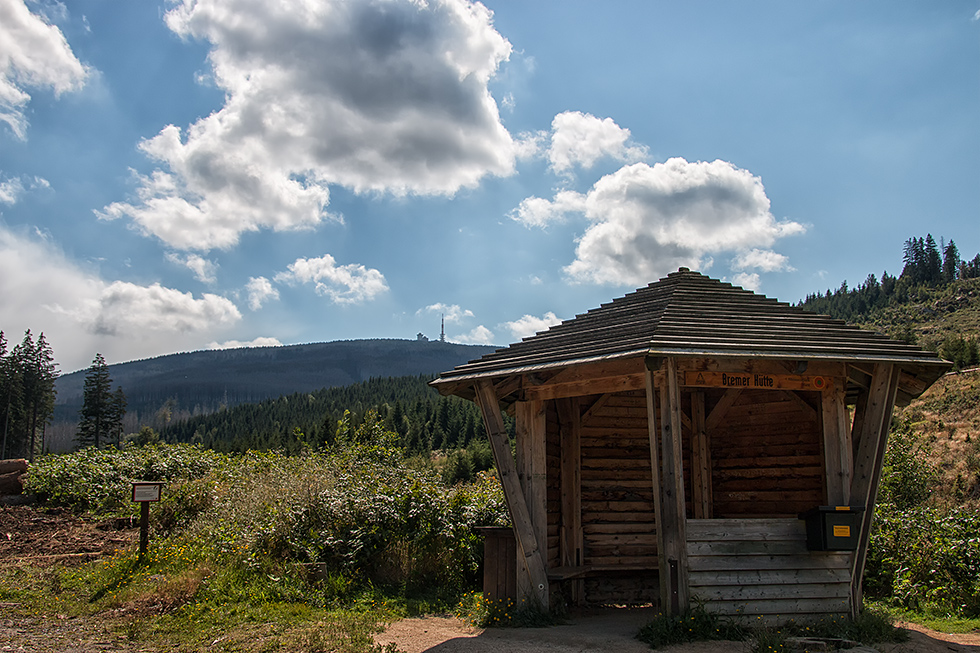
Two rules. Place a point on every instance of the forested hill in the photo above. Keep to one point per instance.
(933, 303)
(203, 381)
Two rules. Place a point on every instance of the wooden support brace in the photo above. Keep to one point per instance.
(524, 531)
(874, 424)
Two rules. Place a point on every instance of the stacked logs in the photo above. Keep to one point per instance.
(12, 473)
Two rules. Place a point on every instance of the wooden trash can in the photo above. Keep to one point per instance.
(499, 563)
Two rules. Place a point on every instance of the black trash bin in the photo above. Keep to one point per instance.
(832, 528)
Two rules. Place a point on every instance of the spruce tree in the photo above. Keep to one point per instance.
(951, 262)
(102, 409)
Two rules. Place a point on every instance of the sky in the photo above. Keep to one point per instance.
(195, 174)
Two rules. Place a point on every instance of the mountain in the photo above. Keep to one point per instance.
(203, 381)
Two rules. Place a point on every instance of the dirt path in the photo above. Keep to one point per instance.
(610, 631)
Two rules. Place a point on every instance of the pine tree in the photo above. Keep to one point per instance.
(933, 261)
(951, 262)
(102, 409)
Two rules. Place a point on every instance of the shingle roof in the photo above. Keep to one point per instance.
(690, 314)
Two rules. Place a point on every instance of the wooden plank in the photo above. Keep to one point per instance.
(746, 548)
(777, 592)
(605, 516)
(524, 529)
(767, 562)
(757, 529)
(593, 528)
(768, 577)
(781, 607)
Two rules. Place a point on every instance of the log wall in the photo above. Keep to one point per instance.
(553, 456)
(761, 567)
(766, 456)
(618, 521)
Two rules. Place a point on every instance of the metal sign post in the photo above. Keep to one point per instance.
(144, 493)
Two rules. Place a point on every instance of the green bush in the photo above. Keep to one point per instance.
(925, 557)
(907, 478)
(99, 480)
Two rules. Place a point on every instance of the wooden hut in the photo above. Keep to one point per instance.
(667, 443)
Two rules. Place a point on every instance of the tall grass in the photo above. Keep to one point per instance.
(326, 545)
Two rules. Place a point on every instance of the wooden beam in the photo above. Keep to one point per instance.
(524, 530)
(836, 446)
(596, 405)
(609, 385)
(700, 459)
(674, 525)
(874, 423)
(571, 536)
(721, 409)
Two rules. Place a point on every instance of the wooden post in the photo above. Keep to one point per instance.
(532, 470)
(700, 459)
(867, 464)
(144, 527)
(836, 446)
(524, 531)
(672, 480)
(652, 430)
(571, 537)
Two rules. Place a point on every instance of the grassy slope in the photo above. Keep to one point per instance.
(933, 314)
(946, 418)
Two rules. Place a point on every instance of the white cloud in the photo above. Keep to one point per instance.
(582, 139)
(204, 270)
(650, 220)
(528, 325)
(81, 314)
(379, 95)
(761, 259)
(478, 336)
(261, 341)
(33, 54)
(539, 212)
(12, 189)
(452, 312)
(343, 284)
(260, 290)
(747, 281)
(124, 308)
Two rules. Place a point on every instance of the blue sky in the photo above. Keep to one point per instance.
(182, 175)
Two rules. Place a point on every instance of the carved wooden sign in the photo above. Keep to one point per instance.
(755, 381)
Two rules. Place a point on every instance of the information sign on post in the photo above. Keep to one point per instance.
(145, 493)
